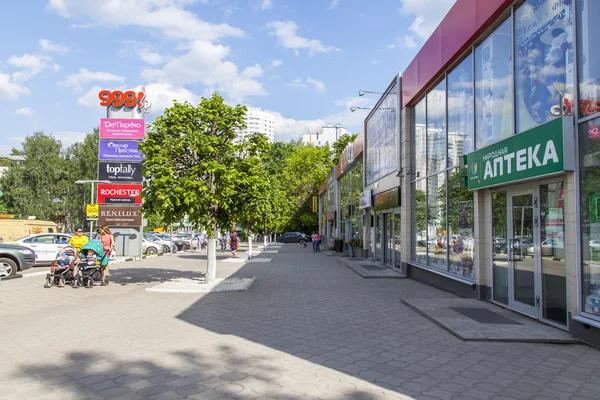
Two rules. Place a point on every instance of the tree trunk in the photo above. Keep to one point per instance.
(249, 246)
(211, 254)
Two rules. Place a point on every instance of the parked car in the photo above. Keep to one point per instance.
(15, 258)
(185, 242)
(290, 237)
(551, 247)
(167, 245)
(45, 245)
(151, 248)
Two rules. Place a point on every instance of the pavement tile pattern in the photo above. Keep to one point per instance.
(309, 328)
(369, 269)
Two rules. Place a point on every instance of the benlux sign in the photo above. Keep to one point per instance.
(544, 150)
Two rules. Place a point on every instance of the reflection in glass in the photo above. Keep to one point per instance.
(436, 129)
(397, 241)
(378, 222)
(545, 61)
(589, 57)
(420, 218)
(493, 87)
(589, 139)
(419, 142)
(552, 206)
(460, 112)
(388, 238)
(522, 237)
(460, 225)
(500, 254)
(436, 224)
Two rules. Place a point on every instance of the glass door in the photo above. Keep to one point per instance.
(388, 239)
(500, 248)
(397, 242)
(378, 220)
(521, 250)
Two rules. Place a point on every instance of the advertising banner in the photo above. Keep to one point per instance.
(91, 211)
(388, 199)
(366, 199)
(119, 193)
(544, 150)
(121, 128)
(120, 215)
(119, 150)
(120, 172)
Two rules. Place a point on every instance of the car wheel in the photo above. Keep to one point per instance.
(185, 247)
(151, 250)
(165, 248)
(7, 267)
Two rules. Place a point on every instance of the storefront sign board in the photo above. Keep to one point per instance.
(121, 128)
(387, 200)
(119, 215)
(120, 172)
(119, 150)
(365, 199)
(119, 193)
(544, 150)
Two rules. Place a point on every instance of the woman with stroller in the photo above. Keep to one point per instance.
(78, 241)
(108, 243)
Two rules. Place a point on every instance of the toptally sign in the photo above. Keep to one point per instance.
(121, 128)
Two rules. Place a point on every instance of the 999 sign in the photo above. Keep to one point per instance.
(118, 98)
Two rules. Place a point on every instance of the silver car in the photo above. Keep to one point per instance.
(167, 245)
(151, 248)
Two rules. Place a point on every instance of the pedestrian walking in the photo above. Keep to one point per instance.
(234, 241)
(317, 242)
(303, 239)
(78, 241)
(108, 243)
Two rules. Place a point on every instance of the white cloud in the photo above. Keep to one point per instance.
(428, 14)
(69, 138)
(10, 90)
(48, 46)
(31, 65)
(310, 82)
(84, 76)
(266, 4)
(276, 63)
(286, 33)
(406, 42)
(149, 57)
(24, 112)
(334, 4)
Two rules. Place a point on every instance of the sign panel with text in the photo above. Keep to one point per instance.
(121, 128)
(119, 193)
(120, 172)
(119, 150)
(119, 215)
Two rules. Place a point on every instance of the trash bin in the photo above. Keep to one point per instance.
(338, 244)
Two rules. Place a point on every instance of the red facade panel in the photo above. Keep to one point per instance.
(460, 28)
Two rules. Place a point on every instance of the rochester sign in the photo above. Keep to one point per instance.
(544, 150)
(120, 172)
(120, 193)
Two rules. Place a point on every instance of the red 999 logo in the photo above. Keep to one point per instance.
(119, 98)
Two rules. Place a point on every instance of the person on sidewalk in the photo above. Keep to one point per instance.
(317, 242)
(303, 239)
(108, 244)
(234, 243)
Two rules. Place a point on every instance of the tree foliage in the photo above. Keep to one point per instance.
(340, 144)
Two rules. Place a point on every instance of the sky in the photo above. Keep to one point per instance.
(302, 60)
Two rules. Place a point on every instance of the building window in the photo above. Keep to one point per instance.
(420, 220)
(460, 112)
(436, 129)
(545, 61)
(437, 256)
(589, 137)
(419, 143)
(493, 87)
(589, 57)
(461, 238)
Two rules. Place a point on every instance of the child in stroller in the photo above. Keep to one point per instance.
(62, 268)
(92, 260)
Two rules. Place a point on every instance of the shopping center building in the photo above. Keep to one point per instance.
(480, 173)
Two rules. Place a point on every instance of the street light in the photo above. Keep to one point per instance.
(92, 181)
(352, 109)
(361, 93)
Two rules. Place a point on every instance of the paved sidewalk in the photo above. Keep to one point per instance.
(368, 269)
(309, 328)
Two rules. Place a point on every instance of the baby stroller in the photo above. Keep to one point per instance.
(62, 268)
(91, 260)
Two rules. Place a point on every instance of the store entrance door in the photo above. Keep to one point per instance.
(387, 241)
(524, 290)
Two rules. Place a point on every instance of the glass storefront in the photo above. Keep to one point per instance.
(589, 57)
(350, 216)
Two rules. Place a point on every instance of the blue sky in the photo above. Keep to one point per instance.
(303, 60)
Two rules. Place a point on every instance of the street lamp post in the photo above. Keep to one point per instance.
(93, 182)
(352, 109)
(361, 93)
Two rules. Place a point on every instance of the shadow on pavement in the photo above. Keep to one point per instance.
(129, 276)
(225, 374)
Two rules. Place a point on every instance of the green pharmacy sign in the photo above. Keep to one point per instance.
(544, 150)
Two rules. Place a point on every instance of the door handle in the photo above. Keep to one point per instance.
(535, 221)
(510, 250)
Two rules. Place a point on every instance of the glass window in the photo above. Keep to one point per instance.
(420, 218)
(436, 129)
(493, 87)
(545, 61)
(460, 112)
(589, 136)
(436, 223)
(460, 225)
(589, 57)
(419, 142)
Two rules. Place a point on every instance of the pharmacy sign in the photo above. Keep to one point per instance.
(541, 151)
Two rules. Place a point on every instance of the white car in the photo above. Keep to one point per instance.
(167, 245)
(45, 245)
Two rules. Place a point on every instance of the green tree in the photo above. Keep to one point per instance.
(192, 166)
(340, 144)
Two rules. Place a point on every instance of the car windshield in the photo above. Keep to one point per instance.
(22, 238)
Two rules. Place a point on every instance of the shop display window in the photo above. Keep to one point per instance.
(589, 57)
(420, 219)
(460, 112)
(419, 142)
(437, 245)
(589, 139)
(461, 238)
(436, 129)
(494, 87)
(545, 61)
